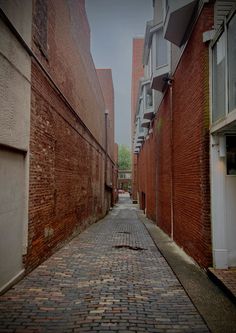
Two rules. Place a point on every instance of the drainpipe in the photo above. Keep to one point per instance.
(106, 153)
(172, 165)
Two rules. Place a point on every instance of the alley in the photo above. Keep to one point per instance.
(110, 278)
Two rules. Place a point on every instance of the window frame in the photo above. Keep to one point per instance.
(219, 34)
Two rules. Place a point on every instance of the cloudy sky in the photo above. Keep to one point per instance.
(113, 24)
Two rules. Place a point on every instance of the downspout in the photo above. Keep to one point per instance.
(171, 161)
(106, 146)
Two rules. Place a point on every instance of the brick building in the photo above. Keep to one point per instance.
(56, 160)
(125, 180)
(106, 83)
(137, 73)
(184, 115)
(115, 175)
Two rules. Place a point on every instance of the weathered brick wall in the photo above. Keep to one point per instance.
(137, 73)
(162, 129)
(67, 162)
(115, 174)
(191, 145)
(66, 173)
(154, 168)
(189, 155)
(68, 59)
(151, 177)
(134, 177)
(106, 83)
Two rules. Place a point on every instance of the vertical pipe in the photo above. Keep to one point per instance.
(172, 166)
(105, 171)
(106, 144)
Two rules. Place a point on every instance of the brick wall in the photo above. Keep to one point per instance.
(189, 155)
(106, 83)
(137, 73)
(68, 60)
(154, 168)
(67, 155)
(191, 145)
(162, 128)
(115, 174)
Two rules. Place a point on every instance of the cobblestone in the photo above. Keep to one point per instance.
(91, 285)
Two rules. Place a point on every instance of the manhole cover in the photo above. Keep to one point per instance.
(124, 232)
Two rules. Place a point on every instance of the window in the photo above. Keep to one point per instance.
(150, 64)
(160, 55)
(231, 154)
(232, 63)
(160, 59)
(219, 79)
(224, 72)
(149, 98)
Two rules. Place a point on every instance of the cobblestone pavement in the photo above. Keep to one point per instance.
(111, 278)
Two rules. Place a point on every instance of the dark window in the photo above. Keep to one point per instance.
(219, 79)
(232, 61)
(231, 154)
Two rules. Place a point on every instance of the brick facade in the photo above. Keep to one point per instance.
(192, 226)
(67, 140)
(137, 73)
(173, 165)
(106, 83)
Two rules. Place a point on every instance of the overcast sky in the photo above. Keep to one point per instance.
(113, 24)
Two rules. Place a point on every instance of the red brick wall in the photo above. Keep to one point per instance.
(191, 146)
(106, 83)
(70, 63)
(162, 129)
(189, 155)
(137, 73)
(154, 169)
(66, 174)
(151, 178)
(115, 174)
(67, 187)
(134, 177)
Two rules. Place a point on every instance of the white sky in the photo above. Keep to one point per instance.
(113, 24)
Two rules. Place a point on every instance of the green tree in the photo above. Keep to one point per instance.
(124, 157)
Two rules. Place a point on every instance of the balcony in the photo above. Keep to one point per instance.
(145, 123)
(140, 134)
(178, 20)
(148, 111)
